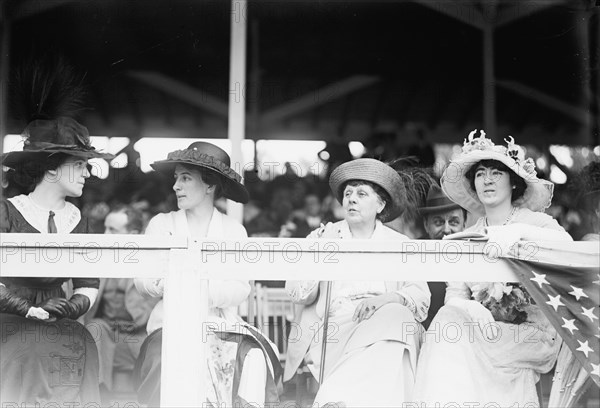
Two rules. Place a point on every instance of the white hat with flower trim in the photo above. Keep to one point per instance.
(537, 196)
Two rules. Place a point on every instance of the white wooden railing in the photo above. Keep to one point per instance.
(190, 264)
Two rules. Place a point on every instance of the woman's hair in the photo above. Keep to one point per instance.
(208, 177)
(381, 193)
(30, 173)
(517, 182)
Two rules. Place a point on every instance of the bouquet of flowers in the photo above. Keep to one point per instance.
(507, 301)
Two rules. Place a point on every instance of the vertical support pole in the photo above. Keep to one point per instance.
(256, 86)
(4, 72)
(594, 36)
(185, 317)
(237, 93)
(5, 26)
(581, 23)
(489, 81)
(254, 91)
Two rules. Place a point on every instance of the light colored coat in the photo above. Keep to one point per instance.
(312, 305)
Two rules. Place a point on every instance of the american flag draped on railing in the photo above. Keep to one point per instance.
(566, 286)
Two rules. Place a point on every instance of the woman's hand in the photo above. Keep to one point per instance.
(59, 307)
(368, 307)
(328, 231)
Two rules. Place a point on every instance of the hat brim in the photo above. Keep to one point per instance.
(440, 208)
(232, 189)
(13, 159)
(376, 172)
(537, 196)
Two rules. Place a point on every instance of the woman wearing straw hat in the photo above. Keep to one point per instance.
(373, 361)
(202, 174)
(503, 348)
(47, 357)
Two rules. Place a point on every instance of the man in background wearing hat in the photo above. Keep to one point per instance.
(441, 217)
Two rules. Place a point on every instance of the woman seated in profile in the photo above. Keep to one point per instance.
(47, 357)
(372, 362)
(505, 341)
(242, 366)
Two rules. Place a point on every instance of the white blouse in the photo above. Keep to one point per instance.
(66, 219)
(224, 295)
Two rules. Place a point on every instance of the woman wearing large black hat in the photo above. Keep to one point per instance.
(52, 166)
(202, 174)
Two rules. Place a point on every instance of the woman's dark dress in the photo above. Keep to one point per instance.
(44, 362)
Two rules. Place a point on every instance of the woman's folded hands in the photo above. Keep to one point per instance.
(369, 306)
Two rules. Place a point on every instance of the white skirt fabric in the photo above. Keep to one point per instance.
(459, 366)
(368, 364)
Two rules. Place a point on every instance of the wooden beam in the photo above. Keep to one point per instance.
(465, 13)
(195, 97)
(523, 9)
(319, 97)
(575, 112)
(489, 80)
(28, 8)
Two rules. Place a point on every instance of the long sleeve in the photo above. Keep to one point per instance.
(150, 287)
(417, 297)
(457, 290)
(224, 294)
(138, 307)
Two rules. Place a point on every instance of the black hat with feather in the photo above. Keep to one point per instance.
(48, 95)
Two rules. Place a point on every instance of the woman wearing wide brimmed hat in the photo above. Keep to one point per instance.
(202, 174)
(52, 166)
(373, 361)
(506, 340)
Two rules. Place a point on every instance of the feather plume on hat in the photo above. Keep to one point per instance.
(48, 88)
(418, 181)
(48, 94)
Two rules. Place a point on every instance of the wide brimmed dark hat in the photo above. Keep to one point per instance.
(437, 202)
(209, 157)
(43, 138)
(375, 172)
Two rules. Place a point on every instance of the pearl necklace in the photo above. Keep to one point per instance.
(512, 213)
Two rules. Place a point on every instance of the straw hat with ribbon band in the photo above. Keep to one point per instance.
(537, 196)
(212, 158)
(437, 202)
(42, 138)
(375, 172)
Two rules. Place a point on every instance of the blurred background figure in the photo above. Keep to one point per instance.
(441, 217)
(305, 219)
(124, 219)
(590, 200)
(118, 318)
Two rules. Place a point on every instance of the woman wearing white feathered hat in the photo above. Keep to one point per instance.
(500, 349)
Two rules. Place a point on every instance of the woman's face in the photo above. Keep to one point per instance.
(492, 186)
(190, 190)
(70, 176)
(361, 204)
